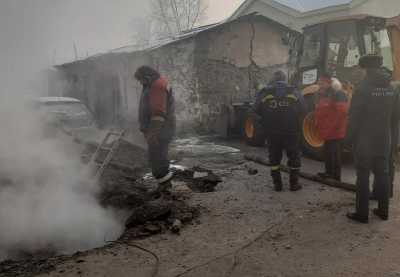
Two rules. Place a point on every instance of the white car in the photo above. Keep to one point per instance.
(71, 116)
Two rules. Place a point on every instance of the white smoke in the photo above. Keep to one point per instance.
(47, 197)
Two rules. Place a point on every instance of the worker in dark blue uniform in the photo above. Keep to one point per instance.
(281, 108)
(373, 121)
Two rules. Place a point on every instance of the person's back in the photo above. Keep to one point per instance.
(378, 101)
(280, 107)
(331, 113)
(330, 120)
(373, 119)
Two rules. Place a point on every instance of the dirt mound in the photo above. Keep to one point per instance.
(36, 266)
(26, 268)
(198, 179)
(124, 187)
(159, 216)
(120, 183)
(127, 155)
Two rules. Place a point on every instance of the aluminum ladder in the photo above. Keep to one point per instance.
(110, 145)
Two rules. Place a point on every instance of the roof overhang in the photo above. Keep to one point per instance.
(346, 18)
(132, 49)
(53, 100)
(295, 13)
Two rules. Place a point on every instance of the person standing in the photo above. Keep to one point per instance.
(373, 121)
(331, 121)
(392, 166)
(280, 108)
(157, 121)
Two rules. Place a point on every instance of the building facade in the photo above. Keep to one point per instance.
(209, 69)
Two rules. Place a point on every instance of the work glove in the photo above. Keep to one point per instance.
(153, 133)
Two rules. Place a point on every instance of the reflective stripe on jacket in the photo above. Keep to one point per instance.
(281, 107)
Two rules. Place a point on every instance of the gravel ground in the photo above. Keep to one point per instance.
(246, 229)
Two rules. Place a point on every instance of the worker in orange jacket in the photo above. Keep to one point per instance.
(331, 122)
(157, 121)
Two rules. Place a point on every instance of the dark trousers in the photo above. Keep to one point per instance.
(392, 170)
(158, 158)
(364, 166)
(333, 158)
(278, 144)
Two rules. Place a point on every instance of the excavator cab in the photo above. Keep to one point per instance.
(336, 47)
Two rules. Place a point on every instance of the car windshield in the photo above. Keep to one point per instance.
(378, 42)
(70, 114)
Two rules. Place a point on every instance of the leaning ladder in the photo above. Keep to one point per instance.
(110, 146)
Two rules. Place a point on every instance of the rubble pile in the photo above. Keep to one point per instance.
(36, 266)
(26, 268)
(159, 216)
(124, 187)
(198, 179)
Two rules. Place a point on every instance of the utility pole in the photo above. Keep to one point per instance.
(76, 52)
(54, 57)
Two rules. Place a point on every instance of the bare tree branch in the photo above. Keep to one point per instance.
(170, 17)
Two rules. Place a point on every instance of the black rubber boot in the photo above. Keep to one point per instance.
(380, 214)
(358, 218)
(277, 180)
(294, 180)
(164, 186)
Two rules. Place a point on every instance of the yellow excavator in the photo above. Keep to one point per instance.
(336, 46)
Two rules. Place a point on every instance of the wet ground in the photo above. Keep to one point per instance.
(246, 229)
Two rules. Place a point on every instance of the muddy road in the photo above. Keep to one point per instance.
(245, 229)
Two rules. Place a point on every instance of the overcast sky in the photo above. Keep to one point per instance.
(35, 34)
(48, 29)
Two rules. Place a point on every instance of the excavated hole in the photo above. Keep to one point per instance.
(125, 187)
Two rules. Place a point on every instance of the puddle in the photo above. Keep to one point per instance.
(200, 147)
(174, 167)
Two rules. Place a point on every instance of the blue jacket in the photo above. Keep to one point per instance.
(281, 108)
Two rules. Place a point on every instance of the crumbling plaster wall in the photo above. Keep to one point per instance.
(106, 85)
(208, 73)
(130, 89)
(92, 81)
(233, 62)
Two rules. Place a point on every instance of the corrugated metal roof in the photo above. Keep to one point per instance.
(310, 5)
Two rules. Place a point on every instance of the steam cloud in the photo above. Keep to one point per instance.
(47, 198)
